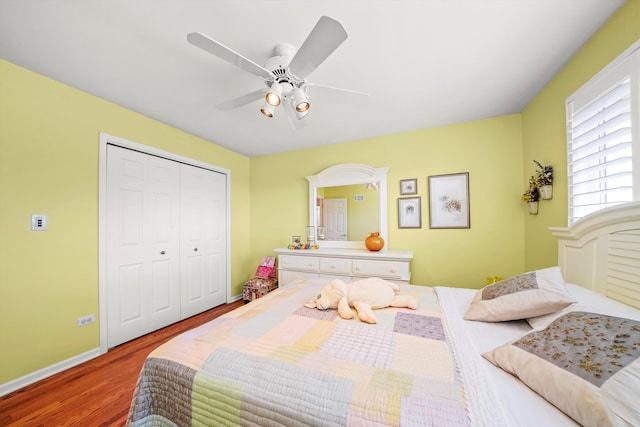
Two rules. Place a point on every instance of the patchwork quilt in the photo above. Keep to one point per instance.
(274, 362)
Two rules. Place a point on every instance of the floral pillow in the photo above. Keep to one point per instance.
(530, 294)
(585, 364)
(588, 300)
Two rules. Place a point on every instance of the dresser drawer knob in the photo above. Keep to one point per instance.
(393, 270)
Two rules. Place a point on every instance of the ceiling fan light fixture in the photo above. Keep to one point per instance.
(267, 109)
(285, 73)
(300, 100)
(302, 107)
(274, 94)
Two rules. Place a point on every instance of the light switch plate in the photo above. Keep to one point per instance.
(38, 222)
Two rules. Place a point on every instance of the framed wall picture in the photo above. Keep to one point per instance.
(449, 201)
(409, 212)
(409, 186)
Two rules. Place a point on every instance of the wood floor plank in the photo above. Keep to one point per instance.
(97, 392)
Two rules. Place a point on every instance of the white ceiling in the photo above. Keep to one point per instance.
(424, 63)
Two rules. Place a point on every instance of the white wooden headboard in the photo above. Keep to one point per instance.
(602, 252)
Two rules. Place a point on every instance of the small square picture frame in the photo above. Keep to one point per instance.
(409, 186)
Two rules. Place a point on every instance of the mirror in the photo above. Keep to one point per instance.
(343, 196)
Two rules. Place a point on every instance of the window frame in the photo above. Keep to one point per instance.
(627, 64)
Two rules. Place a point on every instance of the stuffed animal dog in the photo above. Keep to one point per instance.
(364, 295)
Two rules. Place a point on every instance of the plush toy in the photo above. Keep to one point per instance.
(363, 295)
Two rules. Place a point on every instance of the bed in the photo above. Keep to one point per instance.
(275, 362)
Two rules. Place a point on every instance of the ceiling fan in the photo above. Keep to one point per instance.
(285, 74)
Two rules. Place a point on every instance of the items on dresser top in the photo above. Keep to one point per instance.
(345, 264)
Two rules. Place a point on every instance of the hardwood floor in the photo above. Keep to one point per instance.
(97, 392)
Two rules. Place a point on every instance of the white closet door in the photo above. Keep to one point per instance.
(142, 244)
(203, 239)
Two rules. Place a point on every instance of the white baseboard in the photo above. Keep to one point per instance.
(43, 373)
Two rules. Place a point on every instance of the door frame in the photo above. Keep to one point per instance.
(106, 139)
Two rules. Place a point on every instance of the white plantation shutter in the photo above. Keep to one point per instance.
(603, 121)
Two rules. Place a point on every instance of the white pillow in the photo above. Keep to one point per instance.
(527, 295)
(587, 300)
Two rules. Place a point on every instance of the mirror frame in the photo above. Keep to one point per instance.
(349, 174)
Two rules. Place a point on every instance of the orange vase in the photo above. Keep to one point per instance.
(374, 242)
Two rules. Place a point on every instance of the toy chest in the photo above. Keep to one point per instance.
(258, 287)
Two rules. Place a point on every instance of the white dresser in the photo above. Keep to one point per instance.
(345, 264)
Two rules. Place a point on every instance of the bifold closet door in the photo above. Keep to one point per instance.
(143, 244)
(203, 239)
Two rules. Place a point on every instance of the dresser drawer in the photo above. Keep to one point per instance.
(335, 266)
(345, 264)
(384, 269)
(292, 262)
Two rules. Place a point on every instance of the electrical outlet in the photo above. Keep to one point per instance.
(86, 320)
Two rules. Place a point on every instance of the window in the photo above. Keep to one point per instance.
(603, 138)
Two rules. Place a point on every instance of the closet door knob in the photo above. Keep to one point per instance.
(162, 252)
(195, 249)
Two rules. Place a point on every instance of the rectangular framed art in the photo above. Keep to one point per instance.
(449, 201)
(409, 186)
(409, 212)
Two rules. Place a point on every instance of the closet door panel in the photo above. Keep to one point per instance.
(131, 302)
(163, 294)
(142, 244)
(203, 198)
(165, 242)
(125, 246)
(164, 279)
(215, 237)
(194, 279)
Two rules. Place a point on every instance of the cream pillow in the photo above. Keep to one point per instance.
(585, 364)
(527, 295)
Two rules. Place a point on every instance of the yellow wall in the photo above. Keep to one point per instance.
(49, 136)
(490, 150)
(544, 131)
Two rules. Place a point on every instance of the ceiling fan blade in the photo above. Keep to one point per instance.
(335, 95)
(323, 39)
(242, 100)
(229, 55)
